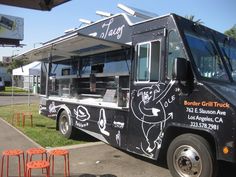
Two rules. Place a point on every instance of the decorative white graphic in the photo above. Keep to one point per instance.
(119, 125)
(102, 122)
(53, 108)
(118, 31)
(148, 107)
(118, 138)
(82, 113)
(41, 108)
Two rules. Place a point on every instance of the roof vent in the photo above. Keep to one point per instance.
(70, 30)
(103, 14)
(136, 12)
(85, 21)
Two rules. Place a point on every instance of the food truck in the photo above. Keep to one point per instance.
(157, 86)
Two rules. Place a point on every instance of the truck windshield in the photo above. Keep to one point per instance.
(206, 57)
(229, 52)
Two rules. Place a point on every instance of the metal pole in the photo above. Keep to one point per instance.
(28, 91)
(48, 71)
(12, 94)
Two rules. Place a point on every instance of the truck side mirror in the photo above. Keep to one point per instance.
(180, 69)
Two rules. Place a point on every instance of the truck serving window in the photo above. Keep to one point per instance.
(148, 61)
(206, 57)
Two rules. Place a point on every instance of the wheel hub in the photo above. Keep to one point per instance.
(187, 162)
(64, 125)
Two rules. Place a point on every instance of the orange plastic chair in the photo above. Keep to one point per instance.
(13, 152)
(16, 117)
(35, 151)
(30, 115)
(38, 164)
(65, 154)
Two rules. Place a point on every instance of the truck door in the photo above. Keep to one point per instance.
(151, 96)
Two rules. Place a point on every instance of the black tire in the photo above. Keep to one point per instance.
(190, 155)
(64, 127)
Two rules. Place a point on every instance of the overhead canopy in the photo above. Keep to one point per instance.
(71, 45)
(34, 4)
(32, 69)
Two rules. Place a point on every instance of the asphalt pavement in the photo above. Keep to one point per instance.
(94, 159)
(9, 100)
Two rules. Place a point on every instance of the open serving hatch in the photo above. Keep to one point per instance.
(68, 46)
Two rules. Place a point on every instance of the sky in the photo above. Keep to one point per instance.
(41, 26)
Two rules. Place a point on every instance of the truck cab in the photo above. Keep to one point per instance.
(204, 74)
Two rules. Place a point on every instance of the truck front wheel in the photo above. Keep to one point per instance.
(64, 125)
(190, 155)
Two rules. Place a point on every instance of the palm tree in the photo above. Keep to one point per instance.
(192, 18)
(231, 32)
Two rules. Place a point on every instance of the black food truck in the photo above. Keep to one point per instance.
(162, 86)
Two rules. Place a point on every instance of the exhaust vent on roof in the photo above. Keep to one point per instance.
(103, 14)
(136, 12)
(85, 21)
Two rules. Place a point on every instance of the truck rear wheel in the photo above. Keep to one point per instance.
(190, 155)
(64, 125)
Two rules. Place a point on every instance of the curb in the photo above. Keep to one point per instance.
(2, 94)
(76, 146)
(36, 144)
(69, 147)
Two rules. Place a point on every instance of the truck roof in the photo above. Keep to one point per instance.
(111, 33)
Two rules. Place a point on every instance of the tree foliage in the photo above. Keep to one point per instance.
(15, 64)
(231, 32)
(192, 18)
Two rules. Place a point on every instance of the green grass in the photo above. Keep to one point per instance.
(16, 91)
(44, 129)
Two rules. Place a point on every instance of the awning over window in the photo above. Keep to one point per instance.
(69, 46)
(34, 4)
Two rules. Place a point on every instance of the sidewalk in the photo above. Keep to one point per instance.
(87, 160)
(11, 138)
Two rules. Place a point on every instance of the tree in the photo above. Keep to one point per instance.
(16, 64)
(192, 18)
(231, 32)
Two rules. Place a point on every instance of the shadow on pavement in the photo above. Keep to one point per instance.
(226, 169)
(78, 135)
(81, 136)
(82, 175)
(91, 175)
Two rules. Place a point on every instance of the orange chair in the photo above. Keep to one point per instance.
(30, 115)
(38, 164)
(65, 154)
(35, 151)
(9, 153)
(16, 116)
